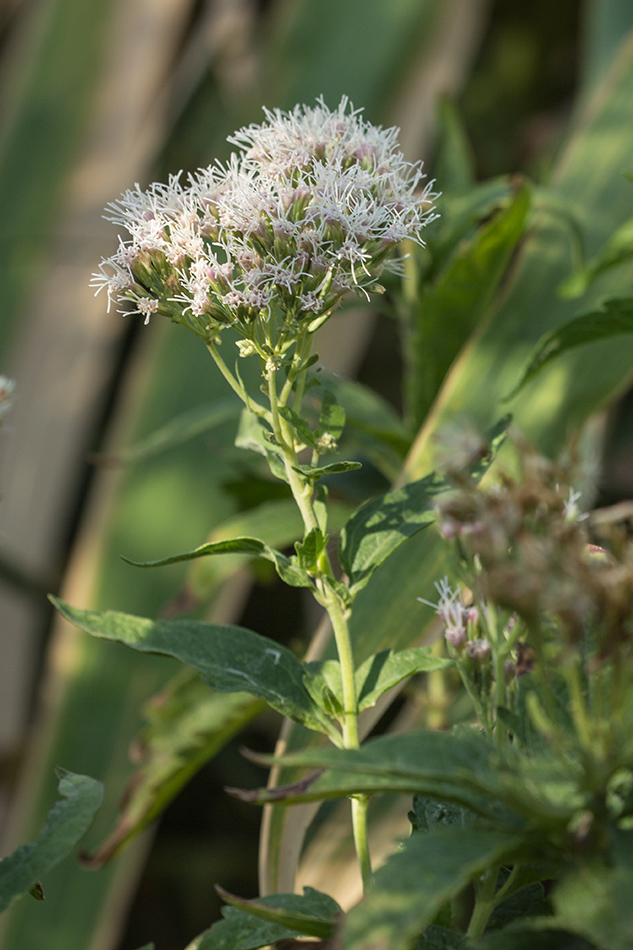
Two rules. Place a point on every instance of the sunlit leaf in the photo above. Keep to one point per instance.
(228, 658)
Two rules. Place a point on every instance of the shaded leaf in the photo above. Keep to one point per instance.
(618, 250)
(615, 318)
(312, 913)
(412, 886)
(228, 658)
(253, 924)
(300, 426)
(386, 669)
(67, 822)
(332, 417)
(187, 724)
(183, 427)
(439, 938)
(528, 936)
(380, 526)
(454, 164)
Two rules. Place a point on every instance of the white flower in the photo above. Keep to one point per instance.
(308, 209)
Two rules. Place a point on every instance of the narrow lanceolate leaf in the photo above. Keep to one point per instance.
(380, 526)
(289, 572)
(183, 427)
(334, 468)
(618, 250)
(248, 925)
(331, 418)
(187, 724)
(448, 311)
(230, 659)
(386, 669)
(66, 823)
(614, 319)
(464, 769)
(418, 880)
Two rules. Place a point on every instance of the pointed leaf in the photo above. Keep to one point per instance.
(454, 164)
(618, 250)
(230, 659)
(334, 468)
(448, 311)
(187, 724)
(66, 823)
(185, 426)
(615, 318)
(412, 886)
(312, 914)
(386, 669)
(252, 924)
(380, 526)
(287, 570)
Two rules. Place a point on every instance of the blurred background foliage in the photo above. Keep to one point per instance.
(98, 94)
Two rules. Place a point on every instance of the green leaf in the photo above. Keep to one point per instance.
(528, 935)
(248, 925)
(380, 526)
(310, 549)
(66, 823)
(334, 468)
(448, 311)
(410, 889)
(594, 899)
(461, 768)
(286, 568)
(332, 417)
(187, 724)
(300, 426)
(230, 659)
(312, 914)
(323, 682)
(618, 250)
(454, 164)
(183, 427)
(438, 938)
(255, 436)
(386, 669)
(614, 318)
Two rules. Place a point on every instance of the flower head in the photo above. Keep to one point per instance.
(310, 207)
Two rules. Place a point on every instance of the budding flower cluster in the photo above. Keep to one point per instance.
(530, 545)
(311, 207)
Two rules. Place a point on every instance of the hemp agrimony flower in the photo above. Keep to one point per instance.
(310, 207)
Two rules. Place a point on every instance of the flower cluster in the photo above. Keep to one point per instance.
(310, 208)
(531, 554)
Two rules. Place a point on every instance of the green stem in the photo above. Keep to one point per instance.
(485, 903)
(302, 492)
(233, 382)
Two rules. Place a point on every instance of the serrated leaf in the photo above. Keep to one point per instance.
(229, 658)
(66, 823)
(384, 670)
(187, 724)
(412, 886)
(286, 568)
(615, 318)
(380, 526)
(246, 928)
